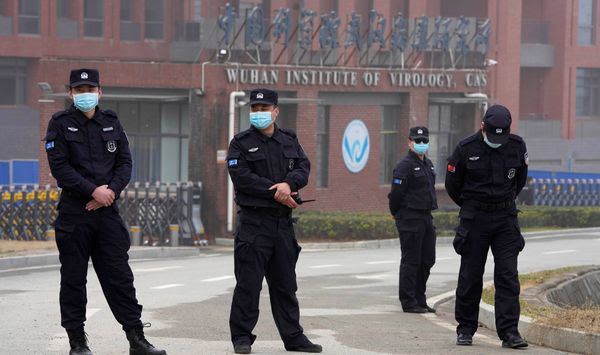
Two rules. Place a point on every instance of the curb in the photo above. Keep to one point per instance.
(554, 337)
(135, 253)
(393, 242)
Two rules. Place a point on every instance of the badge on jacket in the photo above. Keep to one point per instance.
(111, 146)
(511, 173)
(291, 164)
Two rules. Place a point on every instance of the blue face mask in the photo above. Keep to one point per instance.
(261, 119)
(490, 144)
(421, 148)
(86, 101)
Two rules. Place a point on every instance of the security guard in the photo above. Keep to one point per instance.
(485, 174)
(267, 166)
(411, 201)
(89, 157)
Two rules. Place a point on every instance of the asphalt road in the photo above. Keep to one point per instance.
(348, 303)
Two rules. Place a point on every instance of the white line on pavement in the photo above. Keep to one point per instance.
(220, 278)
(90, 312)
(372, 277)
(162, 287)
(381, 262)
(158, 268)
(445, 258)
(210, 255)
(559, 252)
(324, 266)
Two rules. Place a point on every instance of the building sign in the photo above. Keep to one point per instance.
(356, 146)
(442, 79)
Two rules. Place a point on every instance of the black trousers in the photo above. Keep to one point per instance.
(102, 236)
(417, 244)
(265, 246)
(477, 232)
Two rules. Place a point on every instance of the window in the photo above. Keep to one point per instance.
(29, 16)
(323, 147)
(585, 35)
(13, 81)
(67, 26)
(389, 151)
(158, 138)
(93, 18)
(588, 93)
(130, 30)
(153, 22)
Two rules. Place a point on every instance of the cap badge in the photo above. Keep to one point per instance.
(498, 130)
(84, 75)
(420, 131)
(260, 95)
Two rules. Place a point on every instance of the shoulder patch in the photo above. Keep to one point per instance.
(60, 114)
(468, 140)
(289, 132)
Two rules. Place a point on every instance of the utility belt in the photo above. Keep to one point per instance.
(490, 206)
(271, 211)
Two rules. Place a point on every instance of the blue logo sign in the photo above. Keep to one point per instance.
(355, 146)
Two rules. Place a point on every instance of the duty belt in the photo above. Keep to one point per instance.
(491, 207)
(271, 211)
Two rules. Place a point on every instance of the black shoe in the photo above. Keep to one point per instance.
(78, 342)
(429, 309)
(514, 341)
(415, 310)
(138, 345)
(464, 339)
(242, 348)
(306, 348)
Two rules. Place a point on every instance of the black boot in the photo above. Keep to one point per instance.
(138, 345)
(78, 342)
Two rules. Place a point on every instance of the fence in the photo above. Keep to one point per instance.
(154, 212)
(561, 192)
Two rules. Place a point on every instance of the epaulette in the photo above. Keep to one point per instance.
(469, 139)
(242, 134)
(289, 132)
(60, 114)
(516, 138)
(110, 113)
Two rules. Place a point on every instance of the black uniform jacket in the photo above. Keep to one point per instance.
(480, 173)
(413, 186)
(257, 162)
(86, 153)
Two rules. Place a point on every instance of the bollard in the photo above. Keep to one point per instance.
(136, 233)
(174, 229)
(51, 235)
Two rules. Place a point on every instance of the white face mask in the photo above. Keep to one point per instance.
(490, 144)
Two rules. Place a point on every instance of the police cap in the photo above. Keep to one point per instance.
(263, 96)
(84, 77)
(497, 121)
(418, 132)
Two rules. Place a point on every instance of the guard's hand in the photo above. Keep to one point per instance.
(93, 205)
(104, 195)
(290, 201)
(283, 192)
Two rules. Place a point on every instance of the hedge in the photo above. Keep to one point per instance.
(340, 226)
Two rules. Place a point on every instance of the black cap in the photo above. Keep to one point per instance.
(84, 77)
(497, 121)
(263, 96)
(418, 132)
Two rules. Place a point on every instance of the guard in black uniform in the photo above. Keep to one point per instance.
(89, 157)
(411, 201)
(268, 167)
(485, 174)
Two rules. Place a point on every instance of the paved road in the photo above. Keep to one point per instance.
(348, 303)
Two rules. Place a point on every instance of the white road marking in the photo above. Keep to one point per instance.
(324, 266)
(381, 262)
(220, 278)
(559, 251)
(210, 255)
(158, 268)
(445, 258)
(372, 277)
(162, 287)
(90, 312)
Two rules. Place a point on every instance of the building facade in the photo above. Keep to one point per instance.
(353, 76)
